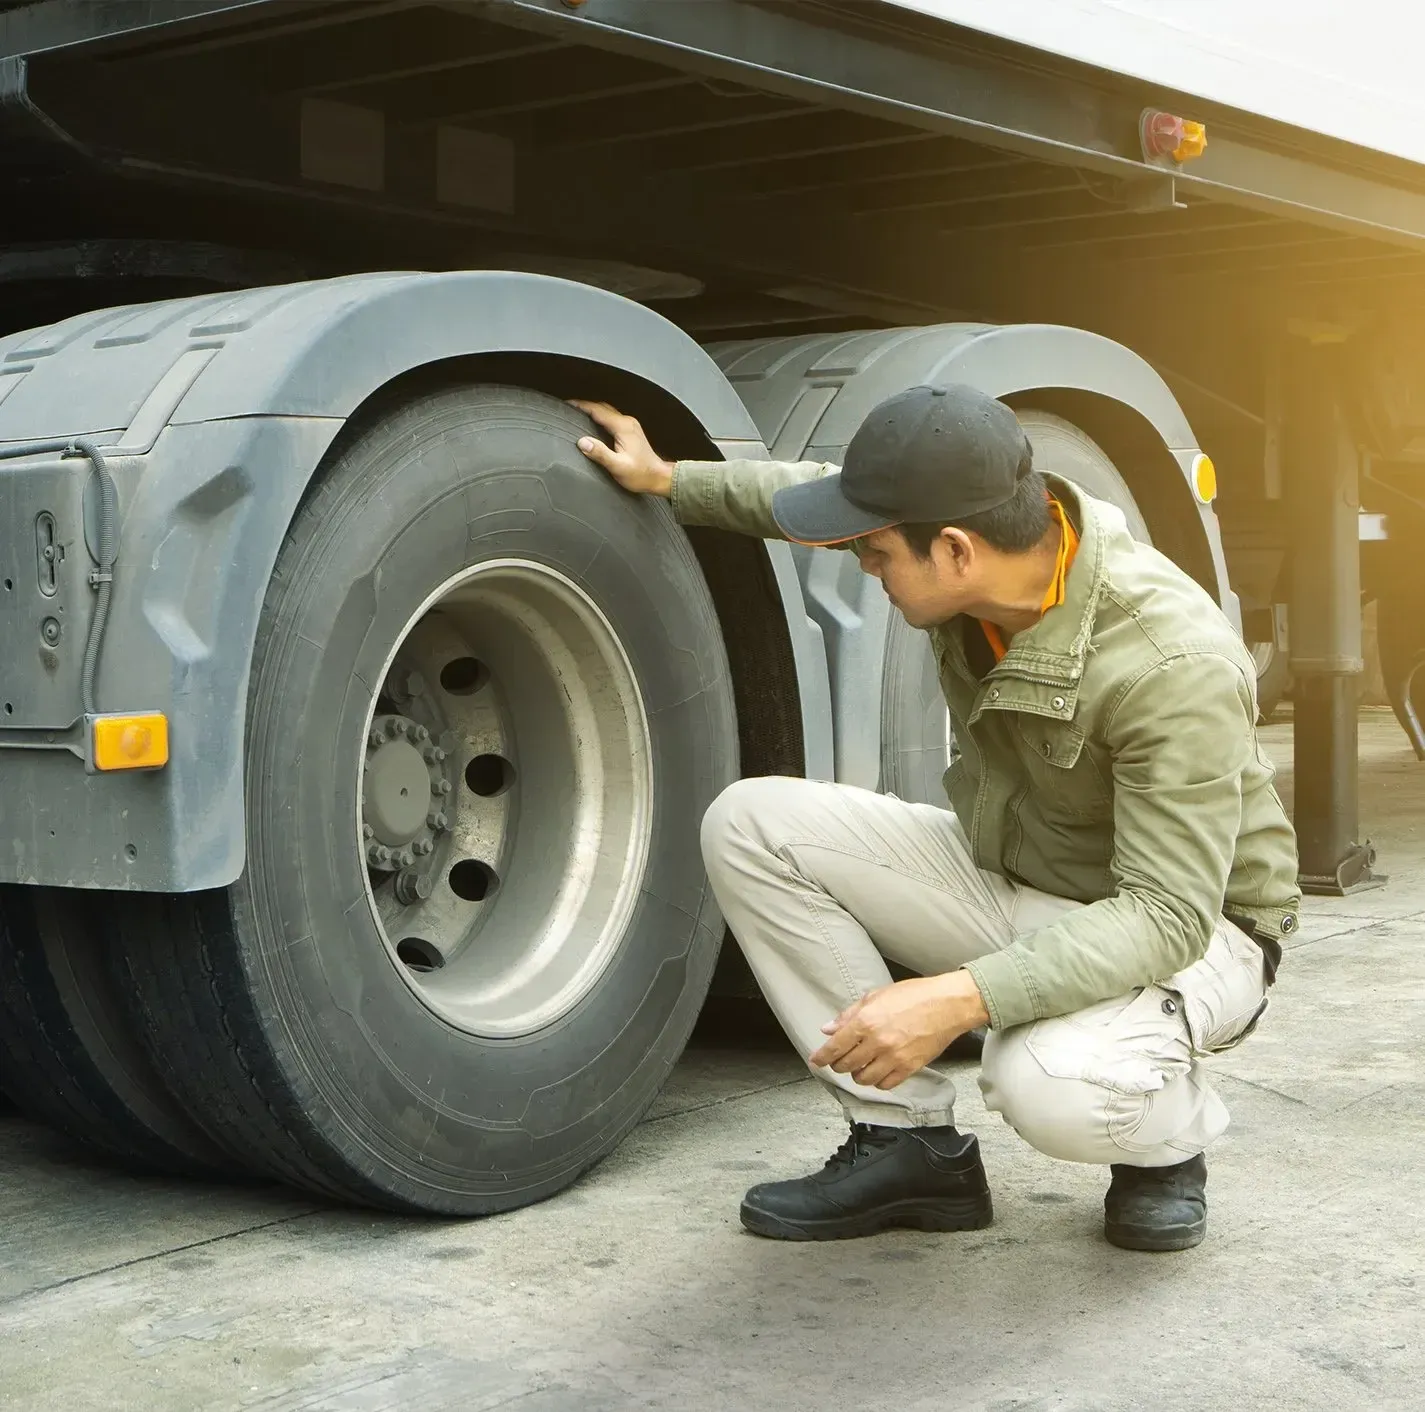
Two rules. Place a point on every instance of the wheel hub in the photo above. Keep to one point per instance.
(505, 799)
(404, 787)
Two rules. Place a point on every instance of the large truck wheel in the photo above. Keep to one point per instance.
(488, 707)
(68, 1056)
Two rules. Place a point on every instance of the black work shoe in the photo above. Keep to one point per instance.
(1157, 1208)
(928, 1179)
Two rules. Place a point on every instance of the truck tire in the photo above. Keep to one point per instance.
(1400, 630)
(1273, 678)
(489, 704)
(915, 730)
(67, 1054)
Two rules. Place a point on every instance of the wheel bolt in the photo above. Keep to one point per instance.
(379, 854)
(443, 787)
(405, 858)
(375, 739)
(393, 727)
(417, 733)
(422, 846)
(436, 819)
(412, 886)
(367, 831)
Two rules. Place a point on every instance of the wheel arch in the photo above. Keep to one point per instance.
(219, 411)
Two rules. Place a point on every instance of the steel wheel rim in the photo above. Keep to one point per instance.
(524, 723)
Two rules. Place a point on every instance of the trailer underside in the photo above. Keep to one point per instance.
(754, 168)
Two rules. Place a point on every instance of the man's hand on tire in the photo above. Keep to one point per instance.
(895, 1031)
(631, 461)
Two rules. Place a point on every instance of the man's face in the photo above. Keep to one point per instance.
(926, 591)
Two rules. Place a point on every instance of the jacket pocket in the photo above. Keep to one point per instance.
(1054, 742)
(1059, 762)
(1224, 995)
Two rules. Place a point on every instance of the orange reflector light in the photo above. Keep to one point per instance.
(1204, 478)
(137, 742)
(1167, 135)
(1192, 144)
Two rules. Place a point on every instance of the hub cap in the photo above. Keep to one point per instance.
(506, 798)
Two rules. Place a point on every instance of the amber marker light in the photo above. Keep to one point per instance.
(1204, 478)
(1167, 135)
(131, 742)
(1193, 143)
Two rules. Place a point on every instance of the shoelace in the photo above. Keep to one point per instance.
(860, 1142)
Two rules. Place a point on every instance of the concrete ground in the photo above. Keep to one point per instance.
(638, 1288)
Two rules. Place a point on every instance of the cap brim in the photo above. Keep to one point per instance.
(817, 513)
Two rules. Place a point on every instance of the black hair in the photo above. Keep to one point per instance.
(1013, 528)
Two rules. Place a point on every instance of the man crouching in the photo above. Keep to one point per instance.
(1109, 888)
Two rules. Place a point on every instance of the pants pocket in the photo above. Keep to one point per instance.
(1130, 1049)
(1224, 995)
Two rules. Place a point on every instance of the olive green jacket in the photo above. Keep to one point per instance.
(1111, 757)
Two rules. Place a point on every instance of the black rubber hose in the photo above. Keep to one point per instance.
(102, 578)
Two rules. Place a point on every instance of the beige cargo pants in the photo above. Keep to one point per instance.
(821, 883)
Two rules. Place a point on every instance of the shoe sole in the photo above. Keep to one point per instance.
(1155, 1238)
(928, 1215)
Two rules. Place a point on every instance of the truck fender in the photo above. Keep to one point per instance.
(808, 395)
(215, 412)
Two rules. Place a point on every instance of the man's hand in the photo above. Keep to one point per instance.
(892, 1033)
(632, 462)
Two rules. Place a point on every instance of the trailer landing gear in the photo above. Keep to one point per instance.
(1323, 503)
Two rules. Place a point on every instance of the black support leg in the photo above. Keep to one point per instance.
(1322, 493)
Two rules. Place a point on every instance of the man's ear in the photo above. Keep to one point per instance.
(959, 547)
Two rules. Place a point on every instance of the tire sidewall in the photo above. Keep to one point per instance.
(431, 1112)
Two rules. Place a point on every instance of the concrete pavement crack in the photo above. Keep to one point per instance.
(1262, 1088)
(729, 1098)
(1356, 1102)
(157, 1255)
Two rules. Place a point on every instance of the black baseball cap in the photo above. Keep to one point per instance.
(926, 454)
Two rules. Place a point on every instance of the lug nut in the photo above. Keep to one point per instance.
(393, 727)
(367, 831)
(436, 819)
(375, 739)
(405, 858)
(411, 887)
(443, 787)
(423, 846)
(417, 733)
(433, 754)
(379, 854)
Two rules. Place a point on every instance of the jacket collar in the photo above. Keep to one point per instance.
(1044, 665)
